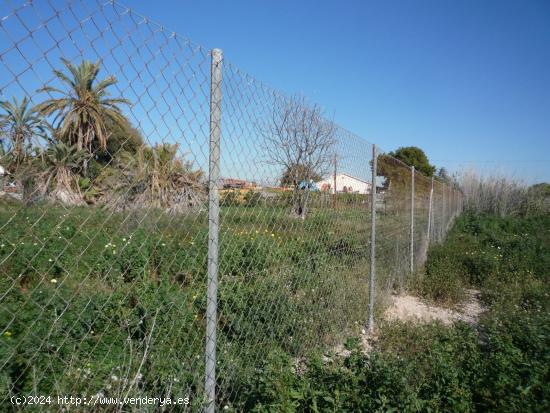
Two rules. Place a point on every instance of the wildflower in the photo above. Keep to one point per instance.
(50, 260)
(272, 235)
(53, 281)
(7, 333)
(124, 239)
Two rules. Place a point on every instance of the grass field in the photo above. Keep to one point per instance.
(97, 301)
(89, 294)
(500, 365)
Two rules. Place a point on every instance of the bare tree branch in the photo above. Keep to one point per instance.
(300, 140)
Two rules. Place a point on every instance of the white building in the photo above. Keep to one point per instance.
(344, 183)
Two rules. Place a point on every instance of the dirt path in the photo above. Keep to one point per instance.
(409, 308)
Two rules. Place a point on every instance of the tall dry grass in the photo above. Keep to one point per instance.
(503, 195)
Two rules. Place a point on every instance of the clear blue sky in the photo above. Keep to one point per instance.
(468, 81)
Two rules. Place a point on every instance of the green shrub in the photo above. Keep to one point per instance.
(230, 198)
(253, 198)
(443, 280)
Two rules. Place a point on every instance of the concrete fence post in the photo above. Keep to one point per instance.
(372, 278)
(213, 228)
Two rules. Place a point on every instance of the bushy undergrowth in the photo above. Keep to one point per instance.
(502, 365)
(484, 250)
(87, 294)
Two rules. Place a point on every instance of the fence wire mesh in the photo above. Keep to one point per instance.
(108, 217)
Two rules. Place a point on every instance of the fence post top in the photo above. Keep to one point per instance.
(217, 53)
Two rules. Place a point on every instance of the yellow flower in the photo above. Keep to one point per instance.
(7, 333)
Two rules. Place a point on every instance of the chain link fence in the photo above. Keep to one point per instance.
(168, 223)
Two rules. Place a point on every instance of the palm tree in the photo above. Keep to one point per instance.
(20, 124)
(84, 108)
(157, 177)
(59, 177)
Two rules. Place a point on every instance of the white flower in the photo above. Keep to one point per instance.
(50, 260)
(53, 281)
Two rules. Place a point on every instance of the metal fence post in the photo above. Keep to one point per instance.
(370, 323)
(213, 228)
(334, 179)
(430, 210)
(442, 229)
(452, 205)
(412, 219)
(446, 206)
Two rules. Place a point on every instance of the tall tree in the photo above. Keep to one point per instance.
(414, 156)
(298, 138)
(295, 174)
(85, 107)
(21, 125)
